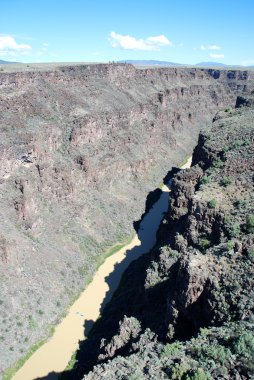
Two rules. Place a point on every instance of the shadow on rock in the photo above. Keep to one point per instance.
(154, 196)
(50, 376)
(88, 325)
(170, 174)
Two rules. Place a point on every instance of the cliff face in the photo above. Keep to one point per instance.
(185, 310)
(81, 146)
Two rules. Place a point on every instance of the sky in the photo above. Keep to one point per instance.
(181, 31)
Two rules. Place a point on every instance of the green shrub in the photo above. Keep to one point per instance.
(204, 180)
(218, 163)
(199, 374)
(240, 143)
(246, 142)
(244, 345)
(204, 243)
(32, 324)
(230, 244)
(222, 372)
(72, 361)
(212, 203)
(250, 223)
(179, 370)
(226, 181)
(250, 254)
(239, 203)
(233, 230)
(171, 349)
(237, 144)
(218, 353)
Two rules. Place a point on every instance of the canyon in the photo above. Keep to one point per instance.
(185, 310)
(81, 147)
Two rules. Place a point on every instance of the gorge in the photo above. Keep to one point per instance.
(81, 147)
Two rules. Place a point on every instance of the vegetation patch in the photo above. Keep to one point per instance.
(226, 181)
(212, 203)
(250, 224)
(10, 372)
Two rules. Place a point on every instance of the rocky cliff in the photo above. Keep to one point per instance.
(186, 309)
(81, 146)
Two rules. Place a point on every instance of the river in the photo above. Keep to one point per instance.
(55, 354)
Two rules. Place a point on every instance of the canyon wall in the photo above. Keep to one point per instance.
(81, 146)
(184, 311)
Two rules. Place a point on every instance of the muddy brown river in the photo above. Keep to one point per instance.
(56, 353)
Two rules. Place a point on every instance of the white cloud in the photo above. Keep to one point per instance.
(131, 43)
(214, 55)
(160, 40)
(9, 47)
(210, 47)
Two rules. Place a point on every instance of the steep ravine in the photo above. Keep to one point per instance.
(81, 147)
(186, 310)
(54, 356)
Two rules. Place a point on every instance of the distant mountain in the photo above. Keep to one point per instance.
(210, 64)
(149, 63)
(5, 62)
(166, 63)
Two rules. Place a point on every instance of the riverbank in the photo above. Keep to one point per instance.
(56, 353)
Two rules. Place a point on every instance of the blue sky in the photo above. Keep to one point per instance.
(184, 31)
